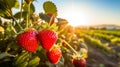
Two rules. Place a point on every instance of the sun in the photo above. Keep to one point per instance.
(75, 16)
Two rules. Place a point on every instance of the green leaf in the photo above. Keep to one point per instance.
(4, 14)
(16, 5)
(6, 6)
(44, 17)
(62, 21)
(32, 8)
(3, 9)
(17, 15)
(24, 64)
(13, 3)
(50, 8)
(34, 62)
(21, 58)
(9, 4)
(4, 54)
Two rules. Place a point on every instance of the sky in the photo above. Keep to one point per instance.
(85, 12)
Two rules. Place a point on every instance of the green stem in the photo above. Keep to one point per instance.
(29, 12)
(14, 30)
(69, 46)
(27, 21)
(10, 14)
(17, 23)
(21, 11)
(28, 15)
(8, 48)
(51, 20)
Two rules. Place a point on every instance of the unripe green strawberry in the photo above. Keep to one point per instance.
(54, 55)
(47, 38)
(28, 40)
(79, 62)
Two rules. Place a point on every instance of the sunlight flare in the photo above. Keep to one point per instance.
(76, 16)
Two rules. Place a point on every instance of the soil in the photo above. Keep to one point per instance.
(99, 58)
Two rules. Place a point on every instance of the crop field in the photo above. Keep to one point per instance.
(103, 47)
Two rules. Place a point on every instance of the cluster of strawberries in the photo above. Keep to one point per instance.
(47, 38)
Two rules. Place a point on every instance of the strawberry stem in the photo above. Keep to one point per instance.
(28, 15)
(51, 20)
(17, 23)
(9, 12)
(21, 11)
(8, 48)
(70, 47)
(14, 30)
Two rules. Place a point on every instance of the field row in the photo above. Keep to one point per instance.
(99, 39)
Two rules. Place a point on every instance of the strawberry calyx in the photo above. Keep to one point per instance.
(54, 47)
(77, 56)
(51, 25)
(47, 26)
(27, 30)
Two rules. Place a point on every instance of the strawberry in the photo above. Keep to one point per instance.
(54, 55)
(47, 38)
(79, 62)
(28, 40)
(50, 15)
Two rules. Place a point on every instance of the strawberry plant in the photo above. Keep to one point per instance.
(27, 42)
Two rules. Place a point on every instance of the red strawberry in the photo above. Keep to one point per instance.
(50, 15)
(47, 38)
(79, 63)
(28, 40)
(54, 55)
